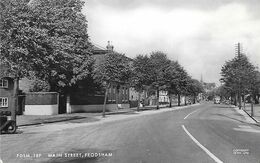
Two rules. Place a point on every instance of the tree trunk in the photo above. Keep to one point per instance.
(117, 98)
(105, 102)
(170, 98)
(179, 100)
(185, 102)
(244, 99)
(235, 100)
(194, 99)
(157, 99)
(256, 98)
(239, 101)
(138, 103)
(252, 106)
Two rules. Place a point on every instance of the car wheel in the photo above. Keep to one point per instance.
(11, 128)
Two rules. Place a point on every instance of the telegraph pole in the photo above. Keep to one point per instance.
(238, 52)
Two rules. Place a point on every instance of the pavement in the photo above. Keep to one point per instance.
(256, 108)
(27, 120)
(198, 133)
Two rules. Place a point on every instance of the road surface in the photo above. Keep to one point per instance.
(197, 134)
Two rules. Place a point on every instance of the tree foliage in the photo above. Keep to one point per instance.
(48, 37)
(39, 86)
(115, 68)
(142, 73)
(194, 87)
(160, 64)
(239, 73)
(177, 79)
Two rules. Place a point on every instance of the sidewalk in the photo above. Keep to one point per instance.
(27, 120)
(256, 116)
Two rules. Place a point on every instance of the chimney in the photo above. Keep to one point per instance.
(110, 47)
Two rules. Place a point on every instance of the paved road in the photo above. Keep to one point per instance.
(197, 134)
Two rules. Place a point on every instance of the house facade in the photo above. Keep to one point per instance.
(6, 93)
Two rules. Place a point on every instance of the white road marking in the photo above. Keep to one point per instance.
(190, 114)
(201, 146)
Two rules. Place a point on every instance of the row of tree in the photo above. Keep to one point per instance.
(154, 72)
(47, 40)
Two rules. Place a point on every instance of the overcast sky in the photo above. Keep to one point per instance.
(200, 34)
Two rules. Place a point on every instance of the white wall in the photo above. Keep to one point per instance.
(41, 109)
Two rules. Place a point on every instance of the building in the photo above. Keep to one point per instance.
(8, 91)
(84, 100)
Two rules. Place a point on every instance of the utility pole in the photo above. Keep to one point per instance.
(238, 52)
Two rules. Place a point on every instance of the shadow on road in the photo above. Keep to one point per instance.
(83, 120)
(222, 115)
(221, 106)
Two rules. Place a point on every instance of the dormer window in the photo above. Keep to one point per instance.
(3, 83)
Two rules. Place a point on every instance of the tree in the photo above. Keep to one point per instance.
(223, 92)
(177, 80)
(46, 37)
(194, 87)
(115, 68)
(160, 63)
(172, 79)
(39, 86)
(141, 74)
(240, 76)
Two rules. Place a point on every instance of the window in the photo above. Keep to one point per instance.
(3, 102)
(4, 83)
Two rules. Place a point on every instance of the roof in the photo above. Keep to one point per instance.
(99, 52)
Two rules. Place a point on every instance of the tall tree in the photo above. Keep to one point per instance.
(160, 63)
(194, 87)
(172, 78)
(116, 69)
(239, 75)
(46, 37)
(141, 74)
(180, 84)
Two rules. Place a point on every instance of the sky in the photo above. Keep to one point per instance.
(200, 34)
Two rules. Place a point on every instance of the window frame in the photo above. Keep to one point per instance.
(2, 82)
(2, 102)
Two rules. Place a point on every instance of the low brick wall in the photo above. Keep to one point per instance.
(41, 103)
(97, 108)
